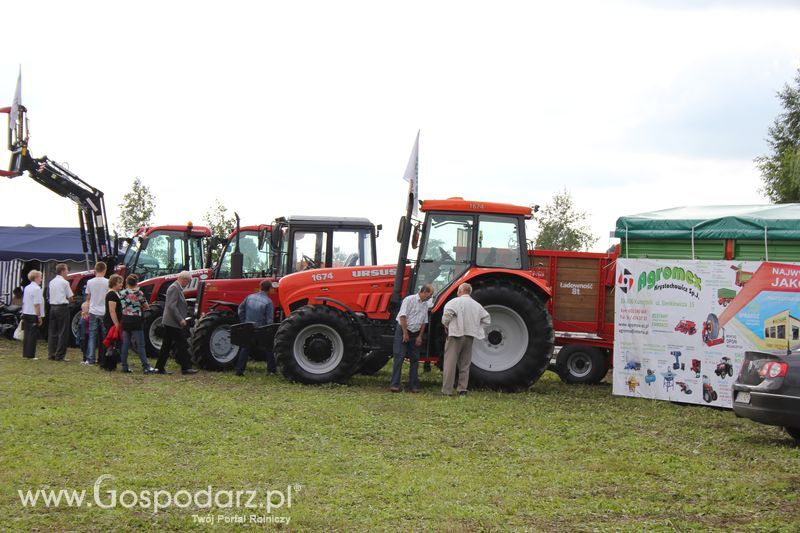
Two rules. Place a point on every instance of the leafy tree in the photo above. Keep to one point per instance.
(562, 227)
(220, 223)
(136, 209)
(780, 170)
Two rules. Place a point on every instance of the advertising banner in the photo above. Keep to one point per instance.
(682, 327)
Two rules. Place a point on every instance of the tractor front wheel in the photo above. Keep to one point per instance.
(211, 341)
(317, 344)
(519, 342)
(153, 330)
(578, 364)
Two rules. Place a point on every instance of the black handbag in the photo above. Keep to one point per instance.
(110, 360)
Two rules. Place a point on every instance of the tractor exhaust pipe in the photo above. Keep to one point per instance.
(237, 260)
(402, 260)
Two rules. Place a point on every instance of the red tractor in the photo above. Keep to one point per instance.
(339, 319)
(290, 244)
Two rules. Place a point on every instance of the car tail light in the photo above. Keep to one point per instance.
(774, 370)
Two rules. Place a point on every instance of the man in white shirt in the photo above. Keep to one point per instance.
(96, 290)
(32, 313)
(411, 319)
(59, 294)
(464, 319)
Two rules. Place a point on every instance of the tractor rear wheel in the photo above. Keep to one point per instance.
(578, 364)
(519, 342)
(211, 341)
(153, 330)
(373, 362)
(317, 344)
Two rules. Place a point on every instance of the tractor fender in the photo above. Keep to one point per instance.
(222, 304)
(523, 277)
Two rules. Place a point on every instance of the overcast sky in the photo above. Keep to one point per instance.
(283, 108)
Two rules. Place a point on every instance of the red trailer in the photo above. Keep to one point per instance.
(582, 307)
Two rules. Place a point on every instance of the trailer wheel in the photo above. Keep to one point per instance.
(211, 341)
(373, 362)
(153, 330)
(317, 344)
(519, 342)
(578, 364)
(706, 396)
(794, 433)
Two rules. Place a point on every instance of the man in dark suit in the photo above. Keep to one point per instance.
(174, 320)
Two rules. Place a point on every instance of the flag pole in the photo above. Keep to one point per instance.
(412, 175)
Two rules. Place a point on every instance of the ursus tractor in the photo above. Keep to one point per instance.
(339, 319)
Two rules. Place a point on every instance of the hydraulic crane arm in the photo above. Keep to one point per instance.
(59, 179)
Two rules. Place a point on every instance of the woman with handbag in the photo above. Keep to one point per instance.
(112, 319)
(133, 304)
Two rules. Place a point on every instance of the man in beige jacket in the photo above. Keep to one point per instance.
(464, 320)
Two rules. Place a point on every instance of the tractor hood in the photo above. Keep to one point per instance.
(359, 289)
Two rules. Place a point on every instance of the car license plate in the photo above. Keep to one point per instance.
(743, 397)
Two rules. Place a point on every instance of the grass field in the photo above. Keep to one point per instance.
(359, 458)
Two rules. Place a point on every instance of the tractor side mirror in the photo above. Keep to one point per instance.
(379, 227)
(400, 229)
(275, 237)
(415, 237)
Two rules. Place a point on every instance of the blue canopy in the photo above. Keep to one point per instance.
(42, 244)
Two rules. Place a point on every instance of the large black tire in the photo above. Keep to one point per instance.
(211, 341)
(714, 329)
(317, 344)
(373, 362)
(518, 344)
(578, 364)
(794, 433)
(153, 329)
(706, 396)
(74, 324)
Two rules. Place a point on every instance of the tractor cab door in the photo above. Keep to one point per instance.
(162, 253)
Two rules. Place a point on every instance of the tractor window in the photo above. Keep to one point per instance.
(352, 248)
(162, 254)
(498, 242)
(446, 250)
(130, 253)
(255, 263)
(309, 250)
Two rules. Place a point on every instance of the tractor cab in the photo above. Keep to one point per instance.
(163, 250)
(310, 242)
(257, 257)
(458, 235)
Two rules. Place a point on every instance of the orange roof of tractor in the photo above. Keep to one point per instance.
(473, 206)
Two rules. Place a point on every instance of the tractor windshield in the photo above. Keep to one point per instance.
(162, 253)
(255, 263)
(446, 251)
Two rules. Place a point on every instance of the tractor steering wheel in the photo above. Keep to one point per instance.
(311, 263)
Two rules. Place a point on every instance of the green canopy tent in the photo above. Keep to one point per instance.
(747, 232)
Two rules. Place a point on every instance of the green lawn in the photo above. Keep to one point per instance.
(357, 457)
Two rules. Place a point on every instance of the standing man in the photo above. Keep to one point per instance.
(174, 320)
(96, 289)
(464, 320)
(412, 318)
(60, 295)
(256, 308)
(32, 313)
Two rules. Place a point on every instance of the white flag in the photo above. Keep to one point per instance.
(412, 174)
(14, 115)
